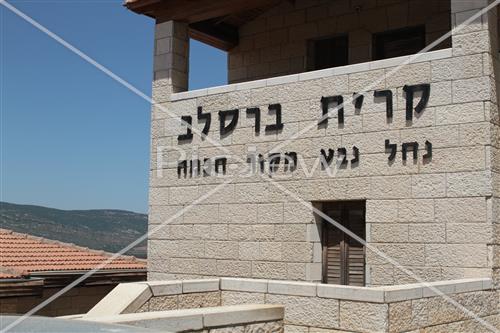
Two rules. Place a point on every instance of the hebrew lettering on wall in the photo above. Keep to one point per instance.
(407, 148)
(278, 125)
(228, 128)
(325, 107)
(387, 94)
(410, 91)
(207, 117)
(256, 113)
(330, 106)
(188, 121)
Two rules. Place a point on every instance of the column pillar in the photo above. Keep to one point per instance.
(478, 35)
(171, 59)
(480, 38)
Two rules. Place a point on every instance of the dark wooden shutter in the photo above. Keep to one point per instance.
(327, 52)
(343, 256)
(333, 254)
(355, 250)
(399, 42)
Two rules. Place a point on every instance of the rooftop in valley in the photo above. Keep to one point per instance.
(25, 255)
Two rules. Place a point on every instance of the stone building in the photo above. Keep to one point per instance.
(331, 112)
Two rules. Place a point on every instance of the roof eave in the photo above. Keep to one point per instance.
(80, 272)
(98, 278)
(21, 287)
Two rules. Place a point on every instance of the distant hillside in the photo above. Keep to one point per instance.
(102, 229)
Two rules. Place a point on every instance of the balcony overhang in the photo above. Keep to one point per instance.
(214, 22)
(314, 75)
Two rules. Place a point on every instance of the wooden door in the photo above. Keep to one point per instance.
(343, 256)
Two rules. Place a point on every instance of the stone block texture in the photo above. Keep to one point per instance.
(276, 43)
(356, 311)
(262, 327)
(437, 218)
(171, 60)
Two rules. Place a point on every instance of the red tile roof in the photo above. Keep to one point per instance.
(9, 273)
(22, 254)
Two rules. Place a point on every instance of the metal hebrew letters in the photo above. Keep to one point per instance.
(410, 91)
(355, 153)
(189, 134)
(256, 113)
(194, 167)
(392, 147)
(326, 159)
(270, 162)
(291, 161)
(279, 124)
(220, 161)
(182, 167)
(262, 162)
(358, 100)
(225, 129)
(208, 120)
(325, 103)
(251, 159)
(274, 161)
(342, 152)
(336, 101)
(428, 148)
(413, 146)
(207, 167)
(388, 100)
(405, 147)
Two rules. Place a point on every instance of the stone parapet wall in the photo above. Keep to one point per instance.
(311, 307)
(240, 318)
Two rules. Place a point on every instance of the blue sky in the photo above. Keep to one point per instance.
(71, 137)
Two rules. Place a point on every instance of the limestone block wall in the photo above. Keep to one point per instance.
(265, 327)
(257, 318)
(276, 43)
(431, 217)
(183, 306)
(434, 217)
(313, 308)
(494, 72)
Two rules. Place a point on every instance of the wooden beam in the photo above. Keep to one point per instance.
(21, 287)
(220, 35)
(104, 277)
(210, 40)
(192, 11)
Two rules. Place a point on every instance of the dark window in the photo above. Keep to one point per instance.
(327, 52)
(343, 256)
(399, 42)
